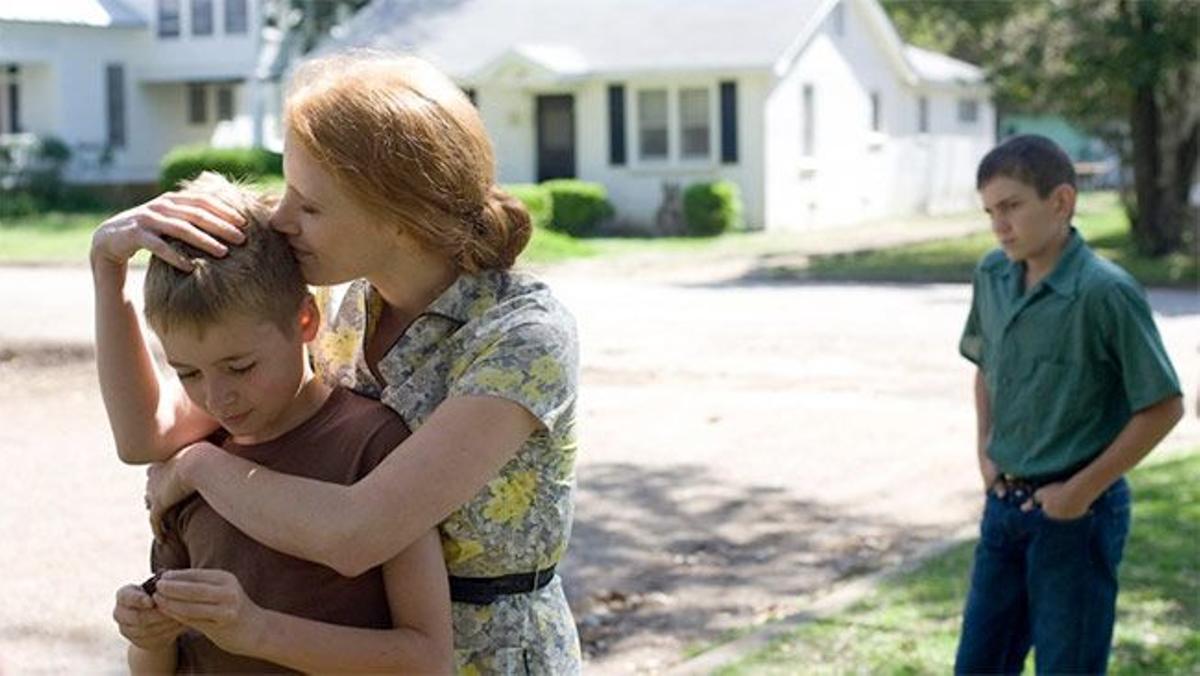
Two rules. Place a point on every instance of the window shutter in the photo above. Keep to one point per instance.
(729, 124)
(616, 125)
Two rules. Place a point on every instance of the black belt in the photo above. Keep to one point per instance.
(482, 591)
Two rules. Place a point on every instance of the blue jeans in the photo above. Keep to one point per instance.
(1044, 583)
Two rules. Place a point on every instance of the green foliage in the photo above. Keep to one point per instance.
(537, 200)
(187, 162)
(579, 207)
(17, 204)
(712, 208)
(1127, 71)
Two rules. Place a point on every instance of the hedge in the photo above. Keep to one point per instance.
(187, 162)
(536, 199)
(712, 208)
(579, 207)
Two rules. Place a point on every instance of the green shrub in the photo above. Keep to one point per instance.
(579, 207)
(712, 208)
(536, 199)
(187, 162)
(17, 204)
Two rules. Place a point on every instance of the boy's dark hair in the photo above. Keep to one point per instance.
(1031, 159)
(259, 278)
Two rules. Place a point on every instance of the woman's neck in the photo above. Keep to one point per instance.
(412, 281)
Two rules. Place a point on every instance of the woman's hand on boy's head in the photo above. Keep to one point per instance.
(200, 220)
(141, 622)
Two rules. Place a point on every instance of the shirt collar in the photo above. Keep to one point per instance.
(466, 298)
(1064, 278)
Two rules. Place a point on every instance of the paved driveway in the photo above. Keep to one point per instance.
(744, 447)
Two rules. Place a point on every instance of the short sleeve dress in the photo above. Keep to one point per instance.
(502, 334)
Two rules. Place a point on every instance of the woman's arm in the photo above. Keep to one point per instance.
(351, 529)
(149, 414)
(422, 641)
(213, 603)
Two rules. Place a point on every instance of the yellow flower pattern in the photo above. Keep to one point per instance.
(498, 334)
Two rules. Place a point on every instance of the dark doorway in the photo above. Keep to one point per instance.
(555, 137)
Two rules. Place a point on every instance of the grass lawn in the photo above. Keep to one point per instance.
(57, 237)
(910, 625)
(1099, 217)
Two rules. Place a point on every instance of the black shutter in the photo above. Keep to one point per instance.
(729, 139)
(616, 125)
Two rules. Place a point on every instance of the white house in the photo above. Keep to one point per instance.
(815, 108)
(130, 79)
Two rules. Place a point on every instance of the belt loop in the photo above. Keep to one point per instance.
(537, 574)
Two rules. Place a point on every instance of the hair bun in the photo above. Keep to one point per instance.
(502, 229)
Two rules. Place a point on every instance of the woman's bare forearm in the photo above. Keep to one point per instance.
(317, 647)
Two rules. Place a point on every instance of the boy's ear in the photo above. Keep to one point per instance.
(1063, 197)
(309, 318)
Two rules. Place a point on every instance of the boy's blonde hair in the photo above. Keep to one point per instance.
(406, 142)
(259, 278)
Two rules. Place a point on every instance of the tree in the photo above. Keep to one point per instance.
(1126, 70)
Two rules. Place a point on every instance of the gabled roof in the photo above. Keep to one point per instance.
(95, 13)
(941, 69)
(594, 36)
(472, 39)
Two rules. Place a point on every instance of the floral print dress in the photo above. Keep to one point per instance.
(502, 334)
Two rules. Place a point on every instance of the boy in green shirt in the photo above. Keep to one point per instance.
(1073, 389)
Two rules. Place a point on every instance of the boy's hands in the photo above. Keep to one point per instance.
(213, 603)
(1059, 501)
(199, 220)
(141, 622)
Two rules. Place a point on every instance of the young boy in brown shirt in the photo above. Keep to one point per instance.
(234, 330)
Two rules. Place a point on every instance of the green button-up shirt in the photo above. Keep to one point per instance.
(1066, 363)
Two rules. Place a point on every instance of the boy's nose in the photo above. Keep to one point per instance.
(279, 222)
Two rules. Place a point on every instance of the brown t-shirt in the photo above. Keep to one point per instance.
(340, 443)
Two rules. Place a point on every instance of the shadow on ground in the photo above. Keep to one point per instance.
(680, 556)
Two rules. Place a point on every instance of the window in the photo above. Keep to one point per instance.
(114, 88)
(236, 20)
(12, 110)
(695, 127)
(202, 17)
(472, 96)
(168, 18)
(652, 124)
(968, 111)
(808, 136)
(197, 104)
(225, 103)
(923, 115)
(876, 112)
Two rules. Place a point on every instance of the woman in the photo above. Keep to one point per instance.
(391, 187)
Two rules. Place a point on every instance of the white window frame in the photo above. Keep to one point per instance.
(159, 6)
(637, 125)
(226, 89)
(674, 157)
(225, 14)
(190, 90)
(212, 18)
(968, 104)
(808, 120)
(710, 93)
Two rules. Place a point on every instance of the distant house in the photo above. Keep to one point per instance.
(814, 107)
(123, 81)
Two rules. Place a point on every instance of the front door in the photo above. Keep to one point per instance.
(555, 137)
